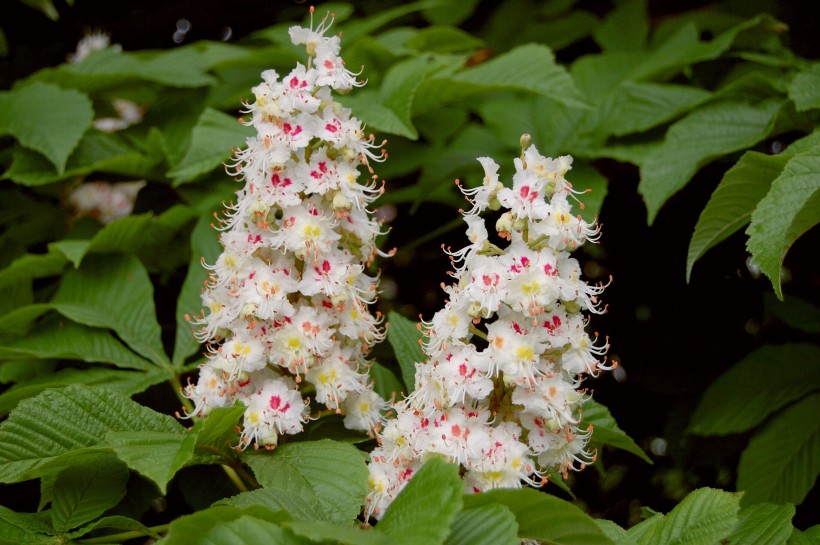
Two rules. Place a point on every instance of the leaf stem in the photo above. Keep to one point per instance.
(234, 477)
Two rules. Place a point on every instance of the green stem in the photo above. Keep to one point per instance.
(124, 536)
(234, 477)
(477, 332)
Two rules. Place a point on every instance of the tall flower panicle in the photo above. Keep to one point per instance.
(506, 408)
(287, 300)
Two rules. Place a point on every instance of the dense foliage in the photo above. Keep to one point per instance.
(709, 111)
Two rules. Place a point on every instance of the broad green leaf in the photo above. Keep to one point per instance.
(490, 524)
(606, 431)
(638, 106)
(63, 339)
(212, 140)
(530, 67)
(804, 89)
(631, 14)
(216, 433)
(732, 203)
(425, 509)
(125, 382)
(739, 400)
(116, 522)
(68, 419)
(17, 322)
(763, 524)
(618, 535)
(376, 115)
(585, 177)
(322, 480)
(47, 119)
(190, 529)
(157, 455)
(248, 530)
(205, 247)
(647, 532)
(706, 515)
(114, 292)
(788, 210)
(355, 29)
(24, 528)
(597, 75)
(543, 517)
(84, 492)
(385, 381)
(800, 538)
(443, 39)
(782, 462)
(794, 312)
(450, 12)
(709, 132)
(322, 532)
(96, 152)
(405, 338)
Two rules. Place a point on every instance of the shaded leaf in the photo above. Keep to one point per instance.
(114, 292)
(156, 455)
(739, 400)
(732, 203)
(376, 115)
(490, 524)
(763, 524)
(610, 33)
(216, 434)
(706, 515)
(405, 338)
(323, 480)
(68, 419)
(47, 119)
(248, 530)
(782, 462)
(543, 517)
(322, 532)
(788, 210)
(82, 493)
(804, 88)
(190, 529)
(618, 535)
(706, 133)
(115, 522)
(606, 431)
(24, 528)
(425, 509)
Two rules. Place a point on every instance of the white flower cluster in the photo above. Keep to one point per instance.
(288, 297)
(105, 201)
(504, 407)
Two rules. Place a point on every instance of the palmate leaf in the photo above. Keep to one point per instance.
(83, 492)
(763, 524)
(491, 524)
(25, 528)
(804, 89)
(66, 420)
(706, 515)
(425, 509)
(323, 480)
(606, 431)
(114, 291)
(782, 462)
(709, 132)
(789, 209)
(404, 337)
(47, 119)
(156, 455)
(543, 517)
(739, 400)
(191, 529)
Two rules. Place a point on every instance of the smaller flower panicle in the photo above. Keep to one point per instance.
(288, 299)
(506, 408)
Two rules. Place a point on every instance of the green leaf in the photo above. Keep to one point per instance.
(782, 462)
(450, 12)
(443, 39)
(30, 266)
(706, 515)
(543, 517)
(156, 455)
(647, 532)
(490, 524)
(114, 292)
(125, 382)
(322, 532)
(25, 528)
(116, 522)
(631, 14)
(425, 509)
(738, 400)
(47, 119)
(322, 480)
(530, 67)
(248, 530)
(62, 339)
(212, 140)
(606, 431)
(763, 524)
(639, 106)
(732, 203)
(405, 338)
(84, 492)
(385, 381)
(371, 111)
(709, 132)
(215, 434)
(17, 322)
(190, 529)
(794, 312)
(618, 535)
(788, 210)
(68, 419)
(804, 89)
